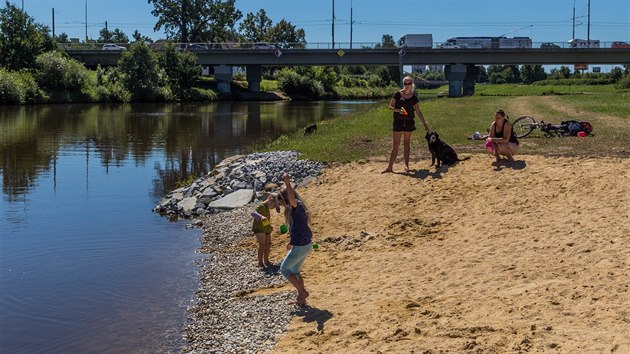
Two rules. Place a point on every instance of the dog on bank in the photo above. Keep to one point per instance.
(310, 129)
(440, 151)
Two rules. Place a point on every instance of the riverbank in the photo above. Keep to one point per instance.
(467, 258)
(473, 257)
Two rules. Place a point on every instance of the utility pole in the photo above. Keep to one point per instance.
(53, 22)
(86, 36)
(333, 24)
(573, 36)
(351, 24)
(588, 32)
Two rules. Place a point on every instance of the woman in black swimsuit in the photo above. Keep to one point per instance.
(404, 104)
(503, 137)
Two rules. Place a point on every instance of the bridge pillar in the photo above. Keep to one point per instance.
(223, 75)
(455, 74)
(254, 76)
(472, 74)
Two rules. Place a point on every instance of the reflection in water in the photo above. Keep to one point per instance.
(85, 266)
(194, 137)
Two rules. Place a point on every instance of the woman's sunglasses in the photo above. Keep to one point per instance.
(407, 83)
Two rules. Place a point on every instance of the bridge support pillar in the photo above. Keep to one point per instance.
(223, 75)
(254, 76)
(455, 74)
(472, 74)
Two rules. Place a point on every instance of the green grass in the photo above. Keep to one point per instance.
(533, 90)
(368, 133)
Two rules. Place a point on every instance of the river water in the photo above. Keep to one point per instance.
(85, 265)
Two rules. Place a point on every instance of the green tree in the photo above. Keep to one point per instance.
(196, 20)
(532, 73)
(483, 74)
(55, 70)
(180, 67)
(286, 35)
(62, 38)
(105, 36)
(21, 39)
(616, 73)
(386, 42)
(512, 74)
(141, 73)
(565, 72)
(138, 37)
(255, 27)
(119, 36)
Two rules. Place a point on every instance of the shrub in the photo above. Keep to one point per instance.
(141, 73)
(298, 86)
(55, 70)
(17, 87)
(624, 82)
(197, 94)
(180, 67)
(239, 76)
(575, 81)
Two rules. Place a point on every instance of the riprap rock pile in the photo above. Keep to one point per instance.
(236, 181)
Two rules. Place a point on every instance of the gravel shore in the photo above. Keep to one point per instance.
(228, 317)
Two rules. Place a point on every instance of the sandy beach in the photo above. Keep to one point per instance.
(469, 258)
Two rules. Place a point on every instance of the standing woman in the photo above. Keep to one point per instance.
(404, 104)
(502, 137)
(299, 246)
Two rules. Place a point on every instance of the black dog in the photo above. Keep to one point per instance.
(310, 129)
(441, 151)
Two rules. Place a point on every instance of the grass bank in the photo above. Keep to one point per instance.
(368, 133)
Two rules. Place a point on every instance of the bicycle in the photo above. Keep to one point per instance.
(525, 125)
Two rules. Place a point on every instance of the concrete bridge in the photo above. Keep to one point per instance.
(461, 65)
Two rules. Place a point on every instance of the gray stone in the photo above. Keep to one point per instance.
(207, 196)
(177, 196)
(233, 200)
(187, 205)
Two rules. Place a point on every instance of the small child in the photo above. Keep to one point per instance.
(262, 228)
(297, 217)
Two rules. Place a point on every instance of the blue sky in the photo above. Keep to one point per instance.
(541, 20)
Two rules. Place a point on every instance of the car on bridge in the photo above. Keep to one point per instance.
(620, 45)
(549, 45)
(196, 46)
(113, 47)
(191, 46)
(264, 46)
(448, 45)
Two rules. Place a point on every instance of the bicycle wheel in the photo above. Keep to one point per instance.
(523, 126)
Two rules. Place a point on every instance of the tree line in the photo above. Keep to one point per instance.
(31, 70)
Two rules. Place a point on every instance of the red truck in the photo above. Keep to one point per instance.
(620, 45)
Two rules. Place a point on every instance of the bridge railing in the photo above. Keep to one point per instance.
(198, 46)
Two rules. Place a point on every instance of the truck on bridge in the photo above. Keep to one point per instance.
(416, 41)
(487, 42)
(583, 43)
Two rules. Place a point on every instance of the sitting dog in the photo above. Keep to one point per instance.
(310, 129)
(441, 151)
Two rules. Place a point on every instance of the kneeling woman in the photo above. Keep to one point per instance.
(502, 137)
(296, 215)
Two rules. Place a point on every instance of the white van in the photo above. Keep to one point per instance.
(583, 43)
